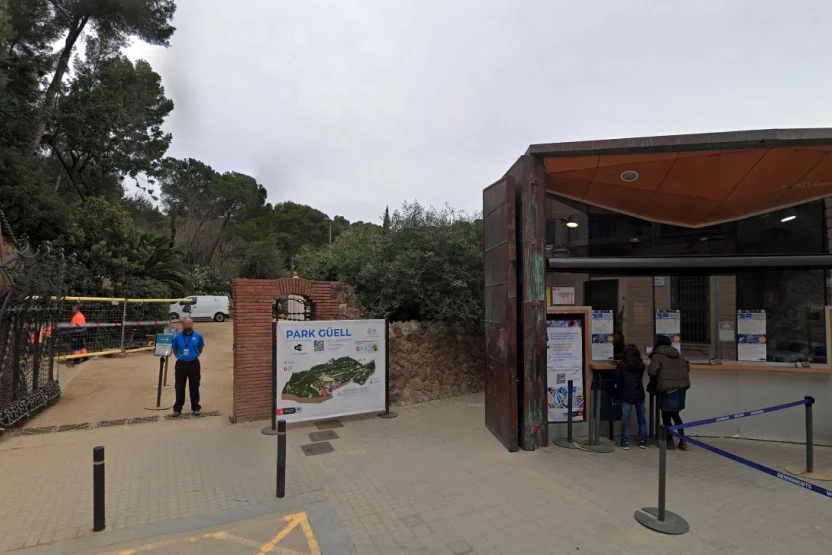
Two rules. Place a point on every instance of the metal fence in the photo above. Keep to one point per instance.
(32, 282)
(113, 325)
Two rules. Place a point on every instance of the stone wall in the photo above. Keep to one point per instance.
(434, 361)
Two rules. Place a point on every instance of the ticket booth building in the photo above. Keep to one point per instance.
(726, 234)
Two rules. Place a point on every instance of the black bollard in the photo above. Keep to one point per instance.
(281, 458)
(810, 439)
(165, 381)
(569, 412)
(662, 472)
(98, 519)
(159, 387)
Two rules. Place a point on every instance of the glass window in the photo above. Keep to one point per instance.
(566, 228)
(715, 240)
(796, 230)
(794, 304)
(618, 235)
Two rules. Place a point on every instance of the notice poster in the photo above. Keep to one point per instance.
(751, 335)
(669, 324)
(602, 330)
(329, 369)
(164, 345)
(564, 362)
(563, 295)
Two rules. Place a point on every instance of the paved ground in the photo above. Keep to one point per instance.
(433, 480)
(117, 388)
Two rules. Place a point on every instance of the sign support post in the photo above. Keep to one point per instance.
(387, 413)
(272, 430)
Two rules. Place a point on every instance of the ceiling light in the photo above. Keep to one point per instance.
(572, 224)
(635, 240)
(629, 176)
(788, 218)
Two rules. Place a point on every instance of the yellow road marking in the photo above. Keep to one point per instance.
(292, 522)
(298, 519)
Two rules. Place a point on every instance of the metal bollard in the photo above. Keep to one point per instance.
(569, 412)
(98, 518)
(662, 472)
(165, 381)
(651, 429)
(281, 458)
(810, 436)
(159, 386)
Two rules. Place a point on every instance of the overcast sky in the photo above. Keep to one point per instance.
(351, 105)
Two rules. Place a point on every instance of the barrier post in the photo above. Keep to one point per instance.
(165, 380)
(593, 444)
(810, 447)
(387, 413)
(159, 387)
(272, 430)
(281, 458)
(569, 412)
(98, 515)
(124, 329)
(651, 431)
(659, 518)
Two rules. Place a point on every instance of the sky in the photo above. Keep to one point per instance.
(351, 106)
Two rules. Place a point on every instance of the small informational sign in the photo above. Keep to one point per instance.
(726, 332)
(164, 345)
(658, 281)
(563, 295)
(329, 369)
(170, 330)
(669, 324)
(751, 335)
(564, 362)
(602, 334)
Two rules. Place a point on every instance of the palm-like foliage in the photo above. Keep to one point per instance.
(163, 263)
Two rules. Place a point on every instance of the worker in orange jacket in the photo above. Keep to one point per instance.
(78, 347)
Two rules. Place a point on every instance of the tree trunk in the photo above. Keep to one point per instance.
(217, 240)
(48, 106)
(172, 228)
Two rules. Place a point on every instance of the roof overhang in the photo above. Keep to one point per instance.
(693, 180)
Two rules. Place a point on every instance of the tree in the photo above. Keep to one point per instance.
(186, 192)
(109, 125)
(235, 195)
(115, 21)
(297, 225)
(427, 266)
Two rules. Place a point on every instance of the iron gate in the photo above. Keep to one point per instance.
(292, 307)
(32, 282)
(691, 296)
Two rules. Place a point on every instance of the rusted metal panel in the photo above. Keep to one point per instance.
(533, 429)
(500, 256)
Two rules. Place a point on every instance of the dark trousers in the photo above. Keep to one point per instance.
(187, 370)
(672, 419)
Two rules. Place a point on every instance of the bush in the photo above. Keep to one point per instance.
(427, 265)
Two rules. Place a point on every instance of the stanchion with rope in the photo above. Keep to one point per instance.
(568, 442)
(659, 518)
(593, 443)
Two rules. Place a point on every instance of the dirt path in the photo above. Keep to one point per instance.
(116, 388)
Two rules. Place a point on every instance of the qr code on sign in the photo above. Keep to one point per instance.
(561, 379)
(319, 346)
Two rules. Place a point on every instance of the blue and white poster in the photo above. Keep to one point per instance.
(751, 335)
(564, 362)
(602, 334)
(164, 345)
(669, 324)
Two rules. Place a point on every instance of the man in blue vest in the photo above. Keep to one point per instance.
(187, 346)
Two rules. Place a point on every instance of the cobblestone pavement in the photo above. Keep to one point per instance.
(433, 480)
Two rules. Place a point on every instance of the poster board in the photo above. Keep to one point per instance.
(751, 335)
(669, 324)
(564, 362)
(164, 345)
(603, 325)
(329, 369)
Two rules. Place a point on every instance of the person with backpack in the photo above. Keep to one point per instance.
(669, 374)
(629, 385)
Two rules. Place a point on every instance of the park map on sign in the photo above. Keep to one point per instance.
(317, 384)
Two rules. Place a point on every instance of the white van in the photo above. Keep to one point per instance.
(201, 307)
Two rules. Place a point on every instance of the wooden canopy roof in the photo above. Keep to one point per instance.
(694, 180)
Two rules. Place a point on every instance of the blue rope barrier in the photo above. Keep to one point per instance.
(756, 466)
(736, 416)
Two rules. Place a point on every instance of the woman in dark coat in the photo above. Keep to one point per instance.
(670, 373)
(629, 384)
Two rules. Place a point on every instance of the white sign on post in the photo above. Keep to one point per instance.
(328, 369)
(669, 324)
(563, 295)
(564, 362)
(751, 335)
(602, 335)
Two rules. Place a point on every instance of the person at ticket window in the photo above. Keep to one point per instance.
(187, 346)
(670, 376)
(629, 387)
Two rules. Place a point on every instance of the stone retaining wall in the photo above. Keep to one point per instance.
(431, 361)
